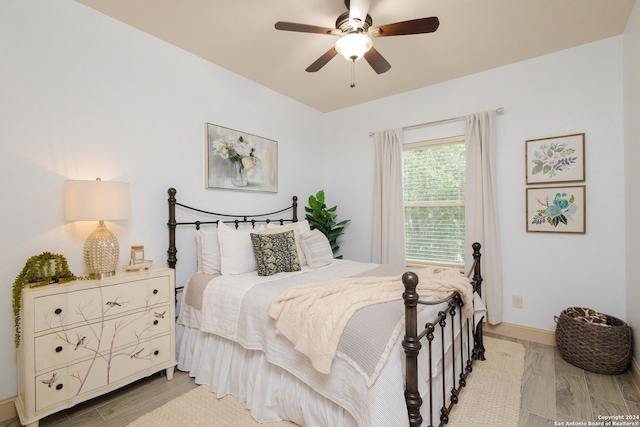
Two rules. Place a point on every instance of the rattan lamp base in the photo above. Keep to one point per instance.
(101, 252)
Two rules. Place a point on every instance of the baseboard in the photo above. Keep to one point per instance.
(523, 332)
(8, 409)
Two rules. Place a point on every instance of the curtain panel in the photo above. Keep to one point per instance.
(387, 236)
(481, 209)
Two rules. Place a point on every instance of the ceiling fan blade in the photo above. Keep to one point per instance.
(358, 10)
(377, 61)
(414, 26)
(322, 61)
(303, 28)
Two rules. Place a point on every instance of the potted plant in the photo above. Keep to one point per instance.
(324, 219)
(39, 270)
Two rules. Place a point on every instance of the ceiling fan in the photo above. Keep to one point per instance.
(355, 30)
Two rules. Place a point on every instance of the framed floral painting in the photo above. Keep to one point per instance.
(555, 160)
(556, 209)
(240, 161)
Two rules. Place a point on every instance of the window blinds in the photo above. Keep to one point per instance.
(433, 185)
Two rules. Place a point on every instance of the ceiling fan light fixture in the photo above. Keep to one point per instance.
(353, 46)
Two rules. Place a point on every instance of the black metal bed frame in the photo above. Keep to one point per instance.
(411, 342)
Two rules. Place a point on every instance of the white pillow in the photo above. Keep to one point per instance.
(304, 226)
(208, 249)
(317, 248)
(236, 250)
(298, 228)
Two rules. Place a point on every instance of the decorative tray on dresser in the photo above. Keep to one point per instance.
(85, 338)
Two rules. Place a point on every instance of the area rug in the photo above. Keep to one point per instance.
(492, 395)
(201, 408)
(491, 398)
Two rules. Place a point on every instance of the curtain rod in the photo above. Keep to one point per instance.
(439, 122)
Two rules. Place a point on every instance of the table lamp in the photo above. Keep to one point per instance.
(98, 201)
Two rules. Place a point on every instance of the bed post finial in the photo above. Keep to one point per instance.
(477, 276)
(294, 208)
(172, 251)
(478, 351)
(411, 345)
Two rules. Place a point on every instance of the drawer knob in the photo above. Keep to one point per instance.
(155, 291)
(58, 311)
(155, 353)
(155, 322)
(59, 387)
(58, 349)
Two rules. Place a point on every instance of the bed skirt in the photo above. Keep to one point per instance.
(268, 391)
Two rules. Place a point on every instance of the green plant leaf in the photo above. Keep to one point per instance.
(46, 268)
(322, 218)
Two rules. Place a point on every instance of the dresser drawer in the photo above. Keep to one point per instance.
(82, 306)
(60, 346)
(70, 382)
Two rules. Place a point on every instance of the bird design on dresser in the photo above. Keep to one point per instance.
(50, 381)
(80, 342)
(135, 355)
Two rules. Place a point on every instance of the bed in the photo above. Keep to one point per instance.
(277, 342)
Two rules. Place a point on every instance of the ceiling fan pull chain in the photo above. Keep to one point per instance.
(353, 73)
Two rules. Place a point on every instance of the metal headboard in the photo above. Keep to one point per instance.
(252, 219)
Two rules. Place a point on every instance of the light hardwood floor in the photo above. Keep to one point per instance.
(553, 391)
(122, 406)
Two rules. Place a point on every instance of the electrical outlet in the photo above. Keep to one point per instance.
(517, 301)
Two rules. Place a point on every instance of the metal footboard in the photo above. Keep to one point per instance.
(454, 368)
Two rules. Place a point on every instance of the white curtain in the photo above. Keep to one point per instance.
(387, 237)
(481, 209)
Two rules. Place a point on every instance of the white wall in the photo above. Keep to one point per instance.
(573, 91)
(632, 172)
(81, 96)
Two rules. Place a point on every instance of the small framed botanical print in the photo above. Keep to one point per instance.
(556, 209)
(555, 160)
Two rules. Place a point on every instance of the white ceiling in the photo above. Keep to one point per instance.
(474, 35)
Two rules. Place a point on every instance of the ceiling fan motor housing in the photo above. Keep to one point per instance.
(343, 24)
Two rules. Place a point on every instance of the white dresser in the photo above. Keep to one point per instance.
(85, 338)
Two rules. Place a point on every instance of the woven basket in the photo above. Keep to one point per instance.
(596, 348)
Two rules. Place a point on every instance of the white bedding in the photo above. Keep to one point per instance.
(222, 304)
(239, 352)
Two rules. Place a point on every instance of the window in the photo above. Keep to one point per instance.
(433, 185)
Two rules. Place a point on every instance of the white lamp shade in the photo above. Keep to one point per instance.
(353, 46)
(96, 200)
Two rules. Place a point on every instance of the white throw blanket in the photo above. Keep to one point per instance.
(313, 316)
